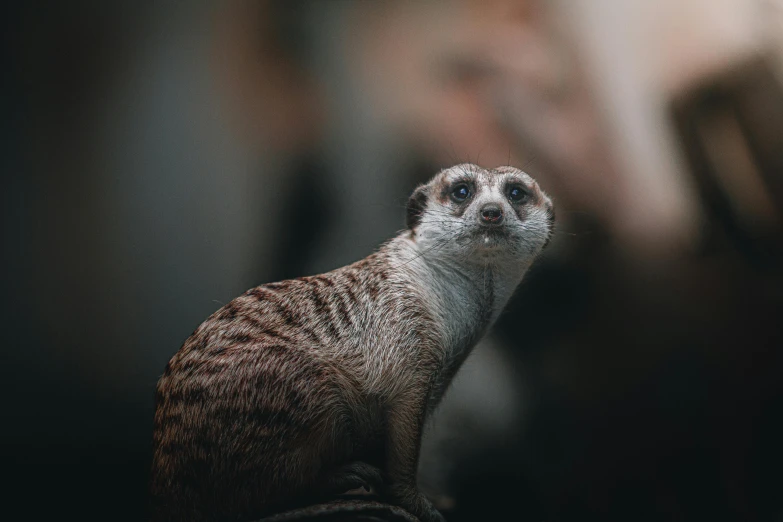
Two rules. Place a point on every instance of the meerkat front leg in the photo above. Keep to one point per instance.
(405, 425)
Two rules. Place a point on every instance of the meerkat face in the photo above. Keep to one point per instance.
(468, 211)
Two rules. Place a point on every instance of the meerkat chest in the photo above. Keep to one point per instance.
(467, 310)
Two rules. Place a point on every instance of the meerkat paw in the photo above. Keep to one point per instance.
(414, 501)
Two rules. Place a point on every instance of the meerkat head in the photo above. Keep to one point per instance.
(468, 212)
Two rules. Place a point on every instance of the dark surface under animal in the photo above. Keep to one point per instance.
(348, 510)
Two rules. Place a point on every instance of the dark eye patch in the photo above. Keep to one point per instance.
(517, 193)
(458, 191)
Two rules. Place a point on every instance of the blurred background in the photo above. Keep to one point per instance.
(160, 158)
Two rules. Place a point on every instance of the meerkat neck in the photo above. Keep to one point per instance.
(467, 295)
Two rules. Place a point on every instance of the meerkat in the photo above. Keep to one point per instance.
(307, 388)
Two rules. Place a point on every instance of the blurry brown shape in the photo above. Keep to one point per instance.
(544, 100)
(270, 94)
(429, 68)
(731, 129)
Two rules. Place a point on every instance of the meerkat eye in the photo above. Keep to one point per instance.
(517, 194)
(460, 193)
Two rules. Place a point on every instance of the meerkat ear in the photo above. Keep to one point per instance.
(416, 204)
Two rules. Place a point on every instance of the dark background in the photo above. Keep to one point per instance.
(159, 159)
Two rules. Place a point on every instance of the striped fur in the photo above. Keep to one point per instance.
(303, 389)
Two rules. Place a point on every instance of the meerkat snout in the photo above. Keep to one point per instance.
(491, 214)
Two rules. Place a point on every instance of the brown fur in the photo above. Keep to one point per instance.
(300, 390)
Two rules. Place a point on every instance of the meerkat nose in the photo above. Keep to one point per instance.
(491, 214)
